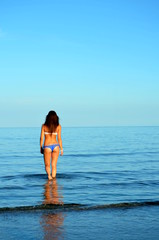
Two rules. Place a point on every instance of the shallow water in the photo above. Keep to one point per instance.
(99, 166)
(102, 169)
(125, 223)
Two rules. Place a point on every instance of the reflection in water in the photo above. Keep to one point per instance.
(51, 193)
(52, 223)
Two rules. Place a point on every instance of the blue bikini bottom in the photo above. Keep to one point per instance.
(52, 147)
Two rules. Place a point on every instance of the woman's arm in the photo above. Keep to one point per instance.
(59, 138)
(41, 138)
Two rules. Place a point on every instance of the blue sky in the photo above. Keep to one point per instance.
(95, 62)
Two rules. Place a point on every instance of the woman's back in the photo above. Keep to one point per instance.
(50, 137)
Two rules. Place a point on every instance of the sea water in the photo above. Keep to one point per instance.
(103, 168)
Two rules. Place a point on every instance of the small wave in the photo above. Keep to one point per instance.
(78, 207)
(12, 188)
(108, 154)
(24, 176)
(123, 205)
(34, 175)
(42, 207)
(95, 155)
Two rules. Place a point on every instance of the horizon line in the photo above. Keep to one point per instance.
(93, 126)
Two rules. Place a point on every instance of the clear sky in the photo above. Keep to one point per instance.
(95, 62)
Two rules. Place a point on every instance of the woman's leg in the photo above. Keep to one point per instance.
(54, 157)
(47, 157)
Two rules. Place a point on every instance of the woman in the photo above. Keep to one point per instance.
(51, 130)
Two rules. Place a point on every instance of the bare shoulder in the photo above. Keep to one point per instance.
(59, 128)
(43, 127)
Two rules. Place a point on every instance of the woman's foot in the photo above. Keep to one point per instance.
(49, 177)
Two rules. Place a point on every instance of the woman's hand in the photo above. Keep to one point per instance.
(61, 152)
(42, 150)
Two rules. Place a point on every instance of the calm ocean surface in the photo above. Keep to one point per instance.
(102, 168)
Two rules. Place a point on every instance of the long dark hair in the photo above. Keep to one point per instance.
(52, 121)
